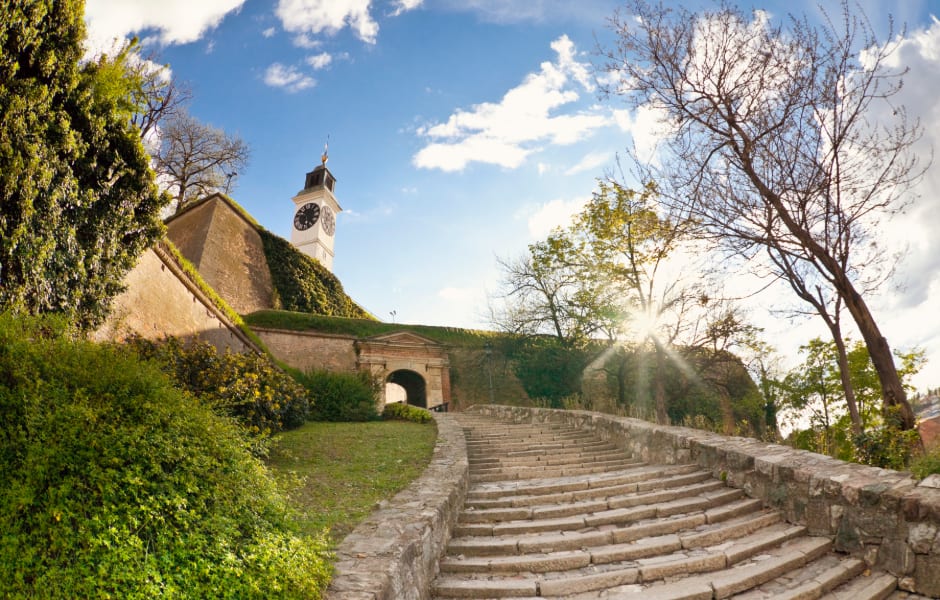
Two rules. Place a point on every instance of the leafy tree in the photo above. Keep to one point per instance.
(770, 147)
(813, 393)
(77, 200)
(196, 159)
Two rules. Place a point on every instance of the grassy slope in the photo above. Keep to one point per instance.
(297, 321)
(346, 468)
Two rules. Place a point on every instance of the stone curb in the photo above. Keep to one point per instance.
(394, 553)
(884, 517)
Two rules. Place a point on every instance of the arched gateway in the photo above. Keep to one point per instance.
(416, 363)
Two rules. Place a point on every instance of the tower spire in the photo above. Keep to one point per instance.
(326, 152)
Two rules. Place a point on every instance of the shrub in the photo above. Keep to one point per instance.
(341, 396)
(247, 387)
(405, 412)
(115, 484)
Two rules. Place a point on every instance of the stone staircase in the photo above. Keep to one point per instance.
(554, 512)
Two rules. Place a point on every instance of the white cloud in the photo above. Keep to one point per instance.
(328, 16)
(174, 21)
(556, 213)
(505, 133)
(269, 32)
(320, 61)
(543, 168)
(402, 6)
(458, 294)
(591, 162)
(289, 78)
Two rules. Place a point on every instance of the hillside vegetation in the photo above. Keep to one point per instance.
(114, 483)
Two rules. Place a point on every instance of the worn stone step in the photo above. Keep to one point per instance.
(874, 586)
(690, 499)
(670, 478)
(528, 473)
(511, 559)
(630, 475)
(689, 567)
(811, 581)
(572, 456)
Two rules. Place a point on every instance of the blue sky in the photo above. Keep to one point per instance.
(461, 131)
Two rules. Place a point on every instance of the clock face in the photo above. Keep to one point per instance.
(307, 216)
(329, 221)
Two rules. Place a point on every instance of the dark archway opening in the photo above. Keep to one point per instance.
(415, 387)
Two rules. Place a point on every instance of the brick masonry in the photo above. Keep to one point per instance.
(885, 517)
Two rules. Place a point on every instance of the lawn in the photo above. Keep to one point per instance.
(338, 472)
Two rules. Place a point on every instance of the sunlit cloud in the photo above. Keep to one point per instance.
(556, 213)
(505, 133)
(169, 22)
(289, 78)
(592, 161)
(402, 6)
(328, 17)
(320, 61)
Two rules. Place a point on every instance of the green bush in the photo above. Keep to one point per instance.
(247, 387)
(341, 396)
(115, 484)
(405, 412)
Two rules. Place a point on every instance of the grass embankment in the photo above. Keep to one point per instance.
(299, 321)
(346, 468)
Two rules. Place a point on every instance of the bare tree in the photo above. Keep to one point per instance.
(196, 159)
(160, 97)
(771, 145)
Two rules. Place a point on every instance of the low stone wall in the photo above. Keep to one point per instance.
(885, 517)
(394, 554)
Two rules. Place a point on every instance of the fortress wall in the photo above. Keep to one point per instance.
(306, 351)
(227, 251)
(885, 517)
(161, 301)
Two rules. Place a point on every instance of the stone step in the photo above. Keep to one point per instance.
(733, 548)
(572, 456)
(528, 473)
(633, 474)
(874, 586)
(696, 531)
(601, 502)
(646, 481)
(701, 575)
(703, 499)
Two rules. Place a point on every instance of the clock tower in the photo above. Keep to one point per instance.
(315, 215)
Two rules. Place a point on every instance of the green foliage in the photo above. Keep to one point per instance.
(248, 387)
(299, 321)
(405, 412)
(926, 464)
(114, 484)
(813, 392)
(547, 368)
(698, 388)
(78, 202)
(341, 396)
(303, 284)
(888, 446)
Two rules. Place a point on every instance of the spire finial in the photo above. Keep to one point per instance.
(326, 151)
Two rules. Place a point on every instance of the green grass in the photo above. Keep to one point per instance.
(344, 469)
(298, 321)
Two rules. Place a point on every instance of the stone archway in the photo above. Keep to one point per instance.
(416, 388)
(418, 364)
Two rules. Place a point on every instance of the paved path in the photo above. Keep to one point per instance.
(556, 513)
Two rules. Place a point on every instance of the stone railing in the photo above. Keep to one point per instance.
(394, 554)
(885, 517)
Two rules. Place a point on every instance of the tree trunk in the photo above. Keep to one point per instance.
(847, 386)
(881, 358)
(659, 387)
